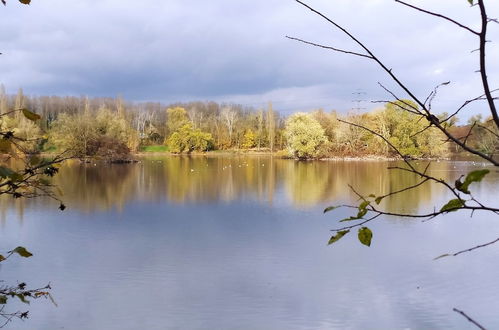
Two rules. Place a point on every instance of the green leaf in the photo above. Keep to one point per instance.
(22, 252)
(378, 199)
(338, 236)
(474, 176)
(470, 2)
(364, 204)
(330, 208)
(363, 209)
(459, 186)
(365, 236)
(452, 205)
(30, 115)
(3, 299)
(5, 172)
(21, 297)
(362, 212)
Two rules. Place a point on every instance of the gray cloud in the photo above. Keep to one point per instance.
(235, 50)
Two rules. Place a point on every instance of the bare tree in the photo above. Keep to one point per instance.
(260, 128)
(3, 100)
(229, 117)
(271, 126)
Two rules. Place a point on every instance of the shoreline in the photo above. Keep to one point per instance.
(276, 155)
(226, 153)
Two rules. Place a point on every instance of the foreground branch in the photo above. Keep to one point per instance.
(468, 318)
(425, 110)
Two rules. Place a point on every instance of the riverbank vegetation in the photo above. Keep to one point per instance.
(114, 129)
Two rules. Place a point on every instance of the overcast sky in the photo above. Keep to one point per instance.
(236, 51)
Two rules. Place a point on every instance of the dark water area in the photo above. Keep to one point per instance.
(241, 243)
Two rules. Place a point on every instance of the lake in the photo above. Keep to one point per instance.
(241, 243)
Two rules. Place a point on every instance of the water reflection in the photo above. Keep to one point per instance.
(240, 243)
(97, 187)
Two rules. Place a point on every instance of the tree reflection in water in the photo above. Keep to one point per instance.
(95, 186)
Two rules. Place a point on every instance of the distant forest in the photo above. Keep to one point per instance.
(114, 128)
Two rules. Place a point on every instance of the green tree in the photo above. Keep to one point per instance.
(114, 125)
(176, 118)
(304, 135)
(409, 135)
(74, 133)
(187, 139)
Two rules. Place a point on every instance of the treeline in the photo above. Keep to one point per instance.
(113, 128)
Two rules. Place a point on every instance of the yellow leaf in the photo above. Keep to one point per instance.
(30, 115)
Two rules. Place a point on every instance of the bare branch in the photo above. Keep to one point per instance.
(468, 318)
(421, 131)
(488, 130)
(328, 47)
(398, 105)
(412, 216)
(431, 118)
(405, 189)
(433, 94)
(483, 72)
(438, 15)
(475, 247)
(481, 97)
(415, 109)
(358, 224)
(469, 133)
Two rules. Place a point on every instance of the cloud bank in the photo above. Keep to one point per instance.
(236, 51)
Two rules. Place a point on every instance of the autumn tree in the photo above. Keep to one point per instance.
(304, 135)
(176, 118)
(188, 139)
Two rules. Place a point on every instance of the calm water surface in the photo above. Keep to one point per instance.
(240, 243)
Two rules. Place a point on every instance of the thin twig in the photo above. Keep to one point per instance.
(476, 247)
(328, 47)
(469, 318)
(438, 15)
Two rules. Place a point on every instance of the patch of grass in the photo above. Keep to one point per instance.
(157, 148)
